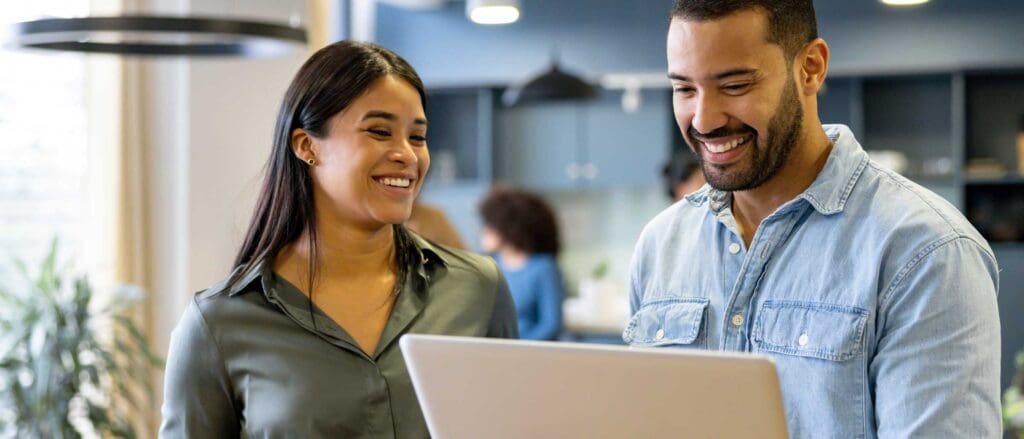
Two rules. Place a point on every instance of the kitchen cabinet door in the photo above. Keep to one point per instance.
(595, 145)
(627, 150)
(459, 136)
(535, 146)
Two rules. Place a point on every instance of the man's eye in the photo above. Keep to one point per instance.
(684, 90)
(379, 132)
(736, 87)
(419, 139)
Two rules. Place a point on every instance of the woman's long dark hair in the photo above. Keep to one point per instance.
(327, 83)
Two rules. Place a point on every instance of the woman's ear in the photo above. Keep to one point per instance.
(304, 146)
(813, 66)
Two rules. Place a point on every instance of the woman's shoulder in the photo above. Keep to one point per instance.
(471, 283)
(242, 278)
(237, 294)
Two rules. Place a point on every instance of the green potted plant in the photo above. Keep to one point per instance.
(71, 364)
(1013, 402)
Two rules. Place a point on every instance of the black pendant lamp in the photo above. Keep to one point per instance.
(552, 85)
(156, 35)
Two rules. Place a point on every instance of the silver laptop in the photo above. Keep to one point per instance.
(489, 388)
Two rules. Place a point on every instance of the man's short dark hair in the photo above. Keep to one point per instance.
(791, 23)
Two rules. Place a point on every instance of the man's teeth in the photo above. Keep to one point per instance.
(723, 147)
(397, 182)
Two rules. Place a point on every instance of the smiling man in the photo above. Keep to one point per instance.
(874, 296)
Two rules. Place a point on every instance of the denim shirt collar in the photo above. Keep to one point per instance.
(829, 191)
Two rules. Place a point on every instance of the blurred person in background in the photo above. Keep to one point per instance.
(521, 232)
(301, 340)
(682, 175)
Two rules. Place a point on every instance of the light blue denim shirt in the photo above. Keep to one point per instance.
(875, 298)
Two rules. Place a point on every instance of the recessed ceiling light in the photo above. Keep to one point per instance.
(492, 11)
(904, 2)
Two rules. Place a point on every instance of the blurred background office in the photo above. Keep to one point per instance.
(145, 166)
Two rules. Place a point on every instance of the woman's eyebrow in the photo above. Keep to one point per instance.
(378, 114)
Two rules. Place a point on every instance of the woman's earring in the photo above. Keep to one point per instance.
(311, 161)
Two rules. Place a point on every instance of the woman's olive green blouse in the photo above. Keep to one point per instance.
(248, 360)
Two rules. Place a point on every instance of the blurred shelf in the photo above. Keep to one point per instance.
(1009, 179)
(1007, 246)
(932, 180)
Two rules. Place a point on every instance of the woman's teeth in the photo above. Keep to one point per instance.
(396, 182)
(723, 147)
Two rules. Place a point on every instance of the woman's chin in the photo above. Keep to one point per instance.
(393, 216)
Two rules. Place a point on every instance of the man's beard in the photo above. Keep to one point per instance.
(767, 156)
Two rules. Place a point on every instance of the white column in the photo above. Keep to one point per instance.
(363, 20)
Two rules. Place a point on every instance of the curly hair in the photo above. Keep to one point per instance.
(522, 219)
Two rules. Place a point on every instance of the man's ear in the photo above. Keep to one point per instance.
(304, 146)
(812, 67)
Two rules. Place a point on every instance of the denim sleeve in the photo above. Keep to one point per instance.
(197, 393)
(503, 318)
(935, 372)
(636, 272)
(549, 304)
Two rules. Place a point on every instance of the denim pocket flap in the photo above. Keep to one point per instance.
(666, 322)
(809, 329)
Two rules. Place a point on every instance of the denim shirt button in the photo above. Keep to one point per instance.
(734, 248)
(737, 320)
(803, 340)
(660, 334)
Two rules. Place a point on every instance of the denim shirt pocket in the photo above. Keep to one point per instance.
(809, 329)
(668, 322)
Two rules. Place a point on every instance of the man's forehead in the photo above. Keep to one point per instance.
(699, 48)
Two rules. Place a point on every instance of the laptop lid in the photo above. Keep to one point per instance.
(493, 388)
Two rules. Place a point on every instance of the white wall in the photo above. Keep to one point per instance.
(208, 131)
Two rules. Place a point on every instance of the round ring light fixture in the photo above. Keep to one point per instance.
(150, 35)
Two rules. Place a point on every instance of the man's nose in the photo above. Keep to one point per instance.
(708, 114)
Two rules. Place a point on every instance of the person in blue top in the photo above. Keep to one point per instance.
(521, 231)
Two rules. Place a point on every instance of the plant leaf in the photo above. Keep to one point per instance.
(54, 350)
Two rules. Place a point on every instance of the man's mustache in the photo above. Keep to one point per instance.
(719, 133)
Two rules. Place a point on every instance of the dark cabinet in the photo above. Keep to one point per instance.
(591, 145)
(459, 135)
(957, 133)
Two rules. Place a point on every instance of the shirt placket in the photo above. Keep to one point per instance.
(738, 311)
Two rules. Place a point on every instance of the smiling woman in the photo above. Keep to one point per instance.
(367, 167)
(301, 339)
